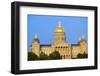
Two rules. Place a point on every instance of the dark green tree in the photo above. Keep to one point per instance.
(84, 55)
(32, 56)
(55, 55)
(43, 56)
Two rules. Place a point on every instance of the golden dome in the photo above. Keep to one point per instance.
(59, 29)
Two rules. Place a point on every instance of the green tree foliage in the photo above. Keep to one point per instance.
(43, 56)
(32, 56)
(55, 55)
(84, 55)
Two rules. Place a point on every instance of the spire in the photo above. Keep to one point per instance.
(59, 24)
(36, 37)
(83, 37)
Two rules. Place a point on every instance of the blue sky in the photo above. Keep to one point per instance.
(44, 26)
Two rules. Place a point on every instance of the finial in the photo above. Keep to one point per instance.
(35, 36)
(59, 24)
(83, 37)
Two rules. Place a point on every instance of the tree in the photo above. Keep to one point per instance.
(43, 56)
(32, 56)
(55, 55)
(84, 55)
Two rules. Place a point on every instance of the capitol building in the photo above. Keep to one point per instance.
(66, 50)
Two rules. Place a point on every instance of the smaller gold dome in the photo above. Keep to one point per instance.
(59, 29)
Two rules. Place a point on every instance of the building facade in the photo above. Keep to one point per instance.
(66, 51)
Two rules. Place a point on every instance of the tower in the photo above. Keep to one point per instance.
(59, 44)
(36, 46)
(83, 45)
(60, 37)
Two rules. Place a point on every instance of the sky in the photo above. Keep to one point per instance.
(44, 26)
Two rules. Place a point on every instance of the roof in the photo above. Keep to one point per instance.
(75, 44)
(45, 45)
